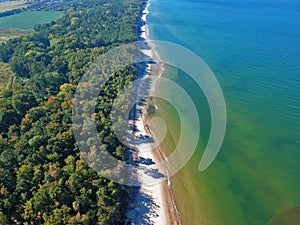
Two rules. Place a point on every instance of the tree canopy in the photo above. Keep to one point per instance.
(44, 179)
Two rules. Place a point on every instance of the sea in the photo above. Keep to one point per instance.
(253, 49)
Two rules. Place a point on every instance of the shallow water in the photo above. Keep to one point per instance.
(253, 48)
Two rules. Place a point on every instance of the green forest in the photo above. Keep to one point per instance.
(44, 179)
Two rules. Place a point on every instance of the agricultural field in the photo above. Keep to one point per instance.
(11, 5)
(27, 20)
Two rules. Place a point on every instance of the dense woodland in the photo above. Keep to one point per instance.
(12, 12)
(44, 180)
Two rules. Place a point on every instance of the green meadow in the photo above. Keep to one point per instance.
(27, 20)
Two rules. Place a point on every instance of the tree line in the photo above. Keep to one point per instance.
(44, 179)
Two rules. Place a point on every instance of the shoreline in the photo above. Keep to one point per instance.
(173, 212)
(160, 201)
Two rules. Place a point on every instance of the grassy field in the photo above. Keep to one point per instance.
(27, 20)
(6, 75)
(6, 34)
(7, 6)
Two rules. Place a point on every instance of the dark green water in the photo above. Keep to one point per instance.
(253, 48)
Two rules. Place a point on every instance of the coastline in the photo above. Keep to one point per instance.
(158, 198)
(157, 152)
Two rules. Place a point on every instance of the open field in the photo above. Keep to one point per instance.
(11, 5)
(6, 34)
(27, 20)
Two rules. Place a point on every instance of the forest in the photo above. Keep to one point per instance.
(44, 179)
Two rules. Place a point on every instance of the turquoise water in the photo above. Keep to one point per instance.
(253, 48)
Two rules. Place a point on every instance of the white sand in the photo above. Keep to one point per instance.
(149, 205)
(157, 212)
